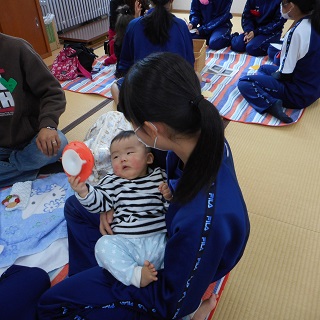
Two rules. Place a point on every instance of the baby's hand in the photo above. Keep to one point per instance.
(79, 187)
(165, 190)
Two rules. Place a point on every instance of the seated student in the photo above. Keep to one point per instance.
(262, 24)
(157, 31)
(20, 289)
(295, 83)
(211, 20)
(207, 220)
(136, 8)
(31, 102)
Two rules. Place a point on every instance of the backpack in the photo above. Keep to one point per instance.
(85, 55)
(67, 66)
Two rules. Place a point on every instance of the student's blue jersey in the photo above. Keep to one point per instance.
(137, 46)
(211, 16)
(262, 17)
(186, 274)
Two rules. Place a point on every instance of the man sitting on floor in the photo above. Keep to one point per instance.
(31, 102)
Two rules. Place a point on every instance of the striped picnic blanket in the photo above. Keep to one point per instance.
(59, 274)
(100, 84)
(224, 91)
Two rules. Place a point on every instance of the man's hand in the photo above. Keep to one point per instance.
(48, 142)
(105, 221)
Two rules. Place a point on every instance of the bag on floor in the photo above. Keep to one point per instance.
(85, 55)
(67, 66)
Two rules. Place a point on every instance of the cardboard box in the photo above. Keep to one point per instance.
(199, 50)
(52, 35)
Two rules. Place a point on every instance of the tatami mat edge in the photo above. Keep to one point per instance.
(79, 132)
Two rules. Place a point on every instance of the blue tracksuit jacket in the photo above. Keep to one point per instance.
(137, 46)
(262, 17)
(211, 16)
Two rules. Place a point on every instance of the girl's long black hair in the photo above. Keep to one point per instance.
(157, 24)
(125, 15)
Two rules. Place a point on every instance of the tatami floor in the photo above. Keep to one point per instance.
(279, 172)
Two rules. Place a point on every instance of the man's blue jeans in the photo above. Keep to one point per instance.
(24, 164)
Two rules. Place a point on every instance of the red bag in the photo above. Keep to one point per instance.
(66, 66)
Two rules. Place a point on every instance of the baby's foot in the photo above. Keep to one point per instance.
(205, 308)
(148, 274)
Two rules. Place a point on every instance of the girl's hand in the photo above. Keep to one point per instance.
(137, 9)
(165, 190)
(248, 36)
(105, 221)
(79, 187)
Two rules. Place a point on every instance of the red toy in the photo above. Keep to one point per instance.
(77, 160)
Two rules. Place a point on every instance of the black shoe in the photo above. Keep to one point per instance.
(276, 110)
(235, 34)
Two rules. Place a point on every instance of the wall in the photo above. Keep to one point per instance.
(237, 5)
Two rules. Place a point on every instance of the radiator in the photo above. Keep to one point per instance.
(70, 13)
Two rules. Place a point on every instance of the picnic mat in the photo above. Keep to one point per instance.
(216, 288)
(100, 84)
(223, 91)
(59, 274)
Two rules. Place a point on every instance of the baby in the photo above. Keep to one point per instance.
(139, 197)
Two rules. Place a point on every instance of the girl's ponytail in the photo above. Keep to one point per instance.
(158, 22)
(203, 165)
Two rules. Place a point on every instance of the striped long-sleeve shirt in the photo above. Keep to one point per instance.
(138, 205)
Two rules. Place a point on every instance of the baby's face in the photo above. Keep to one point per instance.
(129, 158)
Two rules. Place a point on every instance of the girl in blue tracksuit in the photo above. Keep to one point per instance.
(207, 220)
(211, 20)
(157, 31)
(295, 83)
(262, 24)
(143, 38)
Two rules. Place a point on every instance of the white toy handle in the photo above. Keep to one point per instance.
(72, 163)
